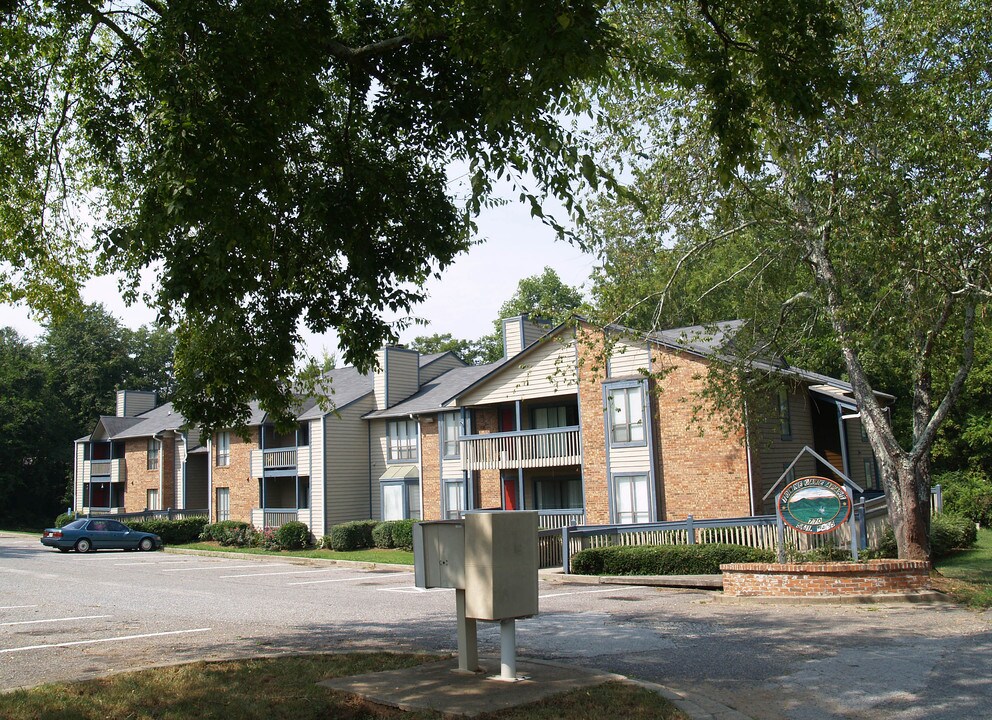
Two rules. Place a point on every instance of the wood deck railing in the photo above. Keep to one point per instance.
(527, 449)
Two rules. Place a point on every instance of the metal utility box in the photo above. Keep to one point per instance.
(501, 564)
(439, 554)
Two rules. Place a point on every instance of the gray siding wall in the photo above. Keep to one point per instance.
(398, 376)
(773, 454)
(346, 465)
(439, 367)
(197, 492)
(135, 402)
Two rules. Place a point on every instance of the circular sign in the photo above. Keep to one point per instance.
(814, 505)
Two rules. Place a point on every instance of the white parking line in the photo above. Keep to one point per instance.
(220, 566)
(149, 562)
(590, 592)
(16, 607)
(284, 572)
(35, 622)
(413, 590)
(360, 577)
(103, 640)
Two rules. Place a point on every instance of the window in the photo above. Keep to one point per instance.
(454, 499)
(784, 414)
(151, 501)
(871, 474)
(402, 437)
(303, 493)
(153, 446)
(549, 417)
(559, 494)
(626, 410)
(449, 435)
(223, 449)
(631, 499)
(401, 500)
(223, 504)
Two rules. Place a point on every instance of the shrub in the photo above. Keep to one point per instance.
(355, 535)
(64, 519)
(664, 559)
(243, 536)
(393, 534)
(219, 530)
(968, 494)
(294, 535)
(172, 532)
(949, 533)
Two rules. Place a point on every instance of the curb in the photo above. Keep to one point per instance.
(291, 558)
(925, 597)
(696, 706)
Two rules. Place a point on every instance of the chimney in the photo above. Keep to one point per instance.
(135, 402)
(519, 332)
(397, 376)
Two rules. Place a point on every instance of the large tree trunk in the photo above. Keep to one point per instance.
(908, 494)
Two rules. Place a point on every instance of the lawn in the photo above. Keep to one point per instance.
(967, 575)
(285, 688)
(372, 555)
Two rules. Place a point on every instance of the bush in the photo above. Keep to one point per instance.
(64, 519)
(294, 535)
(356, 535)
(393, 534)
(968, 494)
(172, 532)
(664, 559)
(949, 533)
(219, 530)
(242, 536)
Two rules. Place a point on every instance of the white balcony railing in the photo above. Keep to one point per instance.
(279, 459)
(115, 469)
(527, 449)
(277, 517)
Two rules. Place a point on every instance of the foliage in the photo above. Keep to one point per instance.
(232, 533)
(64, 519)
(393, 534)
(172, 532)
(968, 494)
(354, 535)
(967, 575)
(664, 559)
(949, 533)
(217, 530)
(468, 350)
(859, 240)
(294, 535)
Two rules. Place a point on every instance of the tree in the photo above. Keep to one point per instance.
(285, 163)
(876, 213)
(467, 350)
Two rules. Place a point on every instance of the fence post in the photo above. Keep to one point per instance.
(169, 514)
(690, 531)
(781, 529)
(938, 498)
(863, 522)
(565, 559)
(854, 528)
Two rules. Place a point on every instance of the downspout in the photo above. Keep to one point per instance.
(842, 431)
(210, 479)
(747, 458)
(518, 411)
(474, 501)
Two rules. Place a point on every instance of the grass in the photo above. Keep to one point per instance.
(967, 575)
(285, 688)
(373, 555)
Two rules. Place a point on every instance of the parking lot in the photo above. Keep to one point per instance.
(69, 616)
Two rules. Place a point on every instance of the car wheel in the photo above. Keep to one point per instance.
(63, 549)
(146, 544)
(83, 545)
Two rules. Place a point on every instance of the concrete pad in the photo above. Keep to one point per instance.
(438, 686)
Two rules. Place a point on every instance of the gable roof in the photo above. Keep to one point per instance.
(434, 395)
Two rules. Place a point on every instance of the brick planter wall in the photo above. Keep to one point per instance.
(875, 577)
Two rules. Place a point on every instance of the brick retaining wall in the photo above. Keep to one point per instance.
(875, 577)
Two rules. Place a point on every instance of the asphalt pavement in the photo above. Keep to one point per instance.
(70, 616)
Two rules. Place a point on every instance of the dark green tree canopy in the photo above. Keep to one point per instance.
(278, 163)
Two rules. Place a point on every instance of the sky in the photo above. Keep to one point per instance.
(464, 302)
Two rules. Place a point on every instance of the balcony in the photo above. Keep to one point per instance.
(277, 517)
(115, 470)
(528, 449)
(279, 460)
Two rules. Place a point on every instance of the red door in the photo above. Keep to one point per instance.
(509, 493)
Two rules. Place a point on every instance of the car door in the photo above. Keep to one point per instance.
(97, 532)
(120, 536)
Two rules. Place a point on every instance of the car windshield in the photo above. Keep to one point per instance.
(75, 525)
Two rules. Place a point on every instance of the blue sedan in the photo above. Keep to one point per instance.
(90, 534)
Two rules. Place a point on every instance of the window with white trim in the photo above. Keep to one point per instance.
(223, 451)
(549, 417)
(449, 435)
(631, 499)
(625, 406)
(153, 447)
(402, 438)
(454, 499)
(784, 414)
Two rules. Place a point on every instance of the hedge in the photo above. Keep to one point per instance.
(949, 533)
(293, 535)
(222, 530)
(172, 532)
(664, 559)
(64, 519)
(393, 534)
(356, 535)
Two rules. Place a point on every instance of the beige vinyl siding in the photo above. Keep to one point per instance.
(630, 460)
(774, 454)
(177, 472)
(519, 333)
(858, 451)
(81, 471)
(548, 370)
(318, 480)
(451, 468)
(439, 367)
(628, 358)
(346, 465)
(193, 438)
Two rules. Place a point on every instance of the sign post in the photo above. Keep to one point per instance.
(815, 505)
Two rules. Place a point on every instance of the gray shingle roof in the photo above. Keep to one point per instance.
(435, 394)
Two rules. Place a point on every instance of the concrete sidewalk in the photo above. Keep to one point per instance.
(439, 687)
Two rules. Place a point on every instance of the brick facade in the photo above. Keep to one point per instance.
(140, 479)
(236, 476)
(595, 483)
(430, 469)
(490, 491)
(802, 580)
(703, 469)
